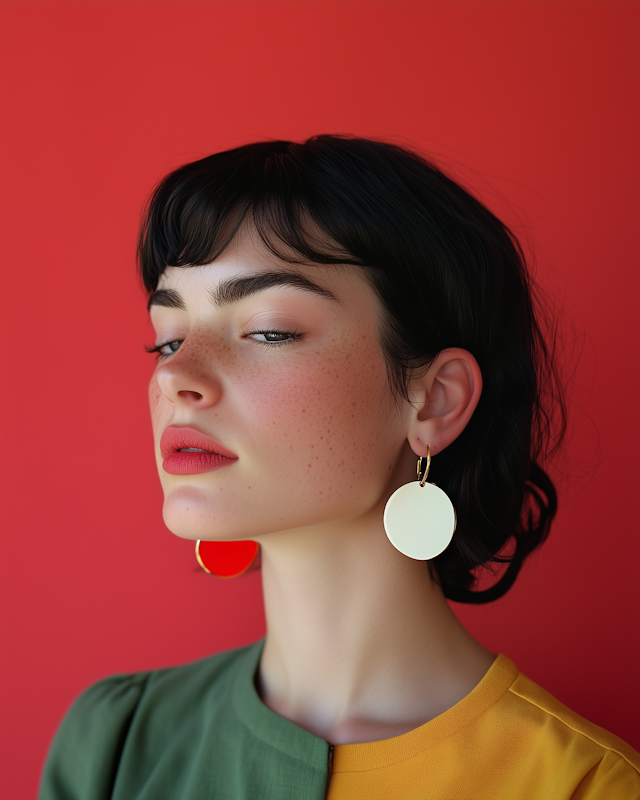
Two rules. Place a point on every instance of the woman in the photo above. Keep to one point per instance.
(330, 316)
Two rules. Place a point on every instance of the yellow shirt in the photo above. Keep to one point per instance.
(507, 740)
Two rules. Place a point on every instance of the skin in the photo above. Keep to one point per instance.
(361, 644)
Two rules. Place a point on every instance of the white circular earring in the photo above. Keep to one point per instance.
(419, 518)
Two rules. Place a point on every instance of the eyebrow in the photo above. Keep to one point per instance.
(232, 290)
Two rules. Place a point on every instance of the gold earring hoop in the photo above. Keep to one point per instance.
(423, 479)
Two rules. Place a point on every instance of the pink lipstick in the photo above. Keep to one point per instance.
(186, 451)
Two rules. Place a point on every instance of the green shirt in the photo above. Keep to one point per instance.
(194, 732)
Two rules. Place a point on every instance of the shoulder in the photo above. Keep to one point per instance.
(87, 747)
(601, 763)
(90, 737)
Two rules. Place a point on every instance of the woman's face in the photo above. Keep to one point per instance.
(289, 380)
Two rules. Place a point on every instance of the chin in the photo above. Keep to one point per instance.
(189, 514)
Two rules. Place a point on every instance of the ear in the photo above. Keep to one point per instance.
(443, 400)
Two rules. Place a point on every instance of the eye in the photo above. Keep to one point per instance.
(165, 349)
(271, 338)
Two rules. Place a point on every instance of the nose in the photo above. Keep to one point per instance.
(188, 378)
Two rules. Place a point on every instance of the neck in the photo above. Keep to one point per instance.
(361, 643)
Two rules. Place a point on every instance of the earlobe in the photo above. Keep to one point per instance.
(445, 398)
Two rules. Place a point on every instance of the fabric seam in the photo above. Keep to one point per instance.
(142, 687)
(575, 730)
(279, 749)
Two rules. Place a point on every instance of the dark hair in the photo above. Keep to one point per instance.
(448, 272)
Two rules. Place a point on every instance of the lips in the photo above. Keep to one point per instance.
(204, 454)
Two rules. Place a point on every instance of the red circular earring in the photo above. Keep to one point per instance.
(226, 559)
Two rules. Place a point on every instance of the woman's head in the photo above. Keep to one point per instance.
(414, 279)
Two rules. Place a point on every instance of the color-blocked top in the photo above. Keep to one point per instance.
(201, 732)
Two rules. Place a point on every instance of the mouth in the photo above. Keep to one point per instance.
(186, 451)
(192, 450)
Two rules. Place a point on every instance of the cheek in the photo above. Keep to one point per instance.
(326, 421)
(155, 399)
(159, 408)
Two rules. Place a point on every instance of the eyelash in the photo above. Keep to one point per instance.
(293, 336)
(159, 347)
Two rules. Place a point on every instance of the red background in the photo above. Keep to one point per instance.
(532, 104)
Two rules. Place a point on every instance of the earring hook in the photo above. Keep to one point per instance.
(423, 480)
